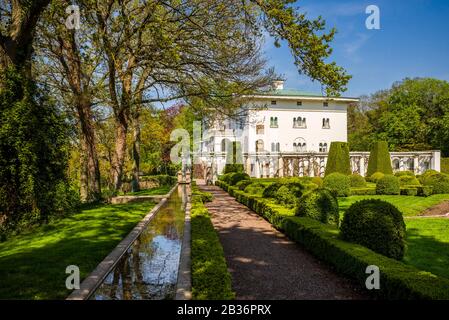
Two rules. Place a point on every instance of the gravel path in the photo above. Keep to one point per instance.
(265, 264)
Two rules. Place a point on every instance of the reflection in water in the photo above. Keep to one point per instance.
(149, 269)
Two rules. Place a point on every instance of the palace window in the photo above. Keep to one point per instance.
(325, 104)
(326, 123)
(273, 103)
(260, 129)
(299, 145)
(299, 103)
(323, 147)
(259, 145)
(299, 122)
(275, 147)
(273, 122)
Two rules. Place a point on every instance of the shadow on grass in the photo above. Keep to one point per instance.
(426, 252)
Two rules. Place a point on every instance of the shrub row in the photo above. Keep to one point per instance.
(210, 277)
(398, 280)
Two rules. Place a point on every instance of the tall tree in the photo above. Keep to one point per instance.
(70, 66)
(19, 19)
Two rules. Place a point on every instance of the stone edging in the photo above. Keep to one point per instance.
(96, 277)
(184, 283)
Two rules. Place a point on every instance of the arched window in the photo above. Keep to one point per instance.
(326, 123)
(396, 164)
(323, 147)
(259, 145)
(278, 147)
(223, 145)
(299, 145)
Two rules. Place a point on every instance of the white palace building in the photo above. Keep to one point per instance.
(288, 133)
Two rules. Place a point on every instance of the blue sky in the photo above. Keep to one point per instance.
(413, 41)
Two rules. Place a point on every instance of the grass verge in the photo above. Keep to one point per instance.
(210, 276)
(32, 265)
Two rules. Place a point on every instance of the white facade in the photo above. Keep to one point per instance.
(288, 132)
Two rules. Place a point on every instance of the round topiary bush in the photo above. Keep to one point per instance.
(243, 184)
(377, 225)
(438, 181)
(357, 181)
(285, 197)
(255, 188)
(407, 180)
(404, 173)
(238, 176)
(376, 176)
(320, 205)
(388, 184)
(338, 183)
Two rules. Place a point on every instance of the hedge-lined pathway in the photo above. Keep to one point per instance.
(264, 263)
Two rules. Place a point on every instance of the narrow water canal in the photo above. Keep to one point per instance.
(149, 269)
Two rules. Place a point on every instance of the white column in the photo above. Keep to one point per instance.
(362, 166)
(257, 169)
(416, 164)
(281, 167)
(436, 161)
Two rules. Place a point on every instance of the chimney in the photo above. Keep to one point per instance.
(278, 84)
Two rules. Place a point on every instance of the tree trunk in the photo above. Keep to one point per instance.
(84, 185)
(136, 151)
(90, 151)
(121, 130)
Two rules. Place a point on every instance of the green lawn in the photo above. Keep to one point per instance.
(32, 265)
(428, 244)
(149, 192)
(427, 238)
(408, 205)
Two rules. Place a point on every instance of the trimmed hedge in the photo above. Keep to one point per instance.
(389, 185)
(363, 191)
(424, 191)
(377, 225)
(255, 188)
(339, 184)
(320, 205)
(404, 173)
(399, 281)
(409, 191)
(338, 160)
(243, 184)
(211, 279)
(284, 196)
(162, 179)
(318, 181)
(237, 177)
(379, 159)
(438, 181)
(407, 180)
(357, 181)
(376, 176)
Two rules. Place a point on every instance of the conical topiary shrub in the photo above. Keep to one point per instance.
(379, 159)
(234, 158)
(338, 160)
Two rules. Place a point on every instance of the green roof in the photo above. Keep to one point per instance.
(290, 92)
